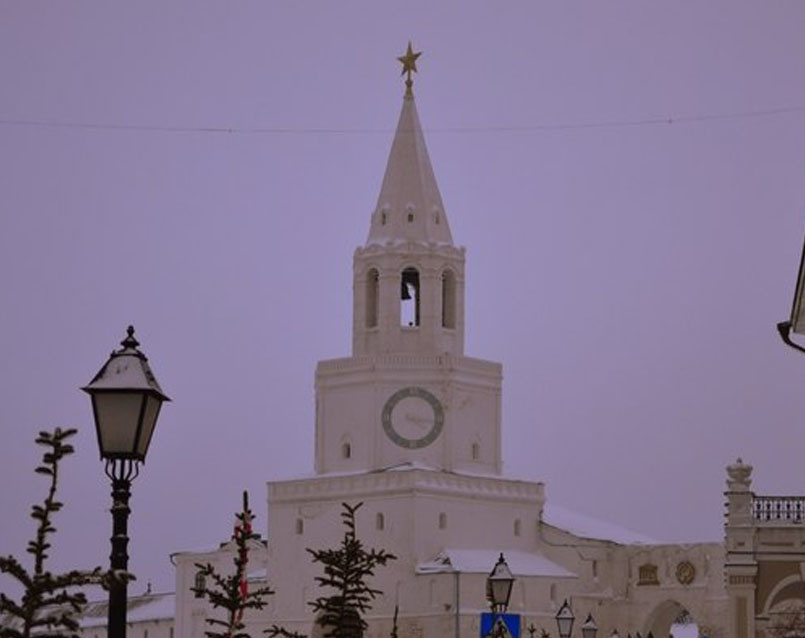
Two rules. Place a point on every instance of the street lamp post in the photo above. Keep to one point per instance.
(564, 620)
(126, 399)
(498, 591)
(589, 629)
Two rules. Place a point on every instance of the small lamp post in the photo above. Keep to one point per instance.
(126, 399)
(499, 586)
(564, 620)
(498, 591)
(589, 629)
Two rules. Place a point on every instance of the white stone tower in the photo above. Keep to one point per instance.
(410, 427)
(408, 393)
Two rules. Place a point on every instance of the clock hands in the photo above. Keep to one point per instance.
(421, 421)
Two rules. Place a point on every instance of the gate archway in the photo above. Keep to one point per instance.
(671, 618)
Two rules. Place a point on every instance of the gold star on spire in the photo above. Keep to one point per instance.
(409, 64)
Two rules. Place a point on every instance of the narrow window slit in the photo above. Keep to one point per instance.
(448, 300)
(372, 295)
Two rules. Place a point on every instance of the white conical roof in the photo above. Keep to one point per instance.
(409, 207)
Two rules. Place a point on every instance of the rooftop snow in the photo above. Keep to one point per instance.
(482, 561)
(588, 527)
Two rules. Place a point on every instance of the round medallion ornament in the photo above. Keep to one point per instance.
(685, 572)
(412, 418)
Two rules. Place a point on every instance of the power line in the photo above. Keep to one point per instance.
(526, 128)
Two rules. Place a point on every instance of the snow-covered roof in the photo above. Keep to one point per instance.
(483, 560)
(126, 368)
(145, 608)
(587, 527)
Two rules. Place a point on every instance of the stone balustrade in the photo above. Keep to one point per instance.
(779, 509)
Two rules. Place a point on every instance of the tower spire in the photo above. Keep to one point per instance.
(409, 207)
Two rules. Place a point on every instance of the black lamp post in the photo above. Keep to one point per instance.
(498, 591)
(589, 629)
(126, 399)
(564, 620)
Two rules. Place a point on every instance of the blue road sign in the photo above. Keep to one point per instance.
(500, 625)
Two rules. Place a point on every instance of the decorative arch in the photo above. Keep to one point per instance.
(410, 295)
(448, 299)
(372, 297)
(661, 618)
(790, 588)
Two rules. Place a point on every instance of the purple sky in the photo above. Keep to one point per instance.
(628, 276)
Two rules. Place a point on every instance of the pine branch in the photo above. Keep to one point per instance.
(276, 631)
(47, 604)
(231, 593)
(345, 571)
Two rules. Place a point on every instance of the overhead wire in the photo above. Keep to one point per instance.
(525, 128)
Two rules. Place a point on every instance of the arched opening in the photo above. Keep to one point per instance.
(448, 299)
(380, 521)
(409, 298)
(517, 527)
(372, 297)
(670, 618)
(442, 520)
(475, 451)
(346, 450)
(784, 592)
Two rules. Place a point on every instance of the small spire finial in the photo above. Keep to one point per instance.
(409, 65)
(130, 341)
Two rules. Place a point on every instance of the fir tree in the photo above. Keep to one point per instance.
(345, 571)
(788, 621)
(49, 604)
(232, 593)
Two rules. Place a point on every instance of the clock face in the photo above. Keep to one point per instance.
(413, 418)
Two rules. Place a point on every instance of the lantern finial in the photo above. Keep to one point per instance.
(130, 341)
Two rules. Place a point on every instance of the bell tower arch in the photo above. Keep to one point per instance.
(408, 298)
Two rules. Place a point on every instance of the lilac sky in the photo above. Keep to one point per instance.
(628, 179)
